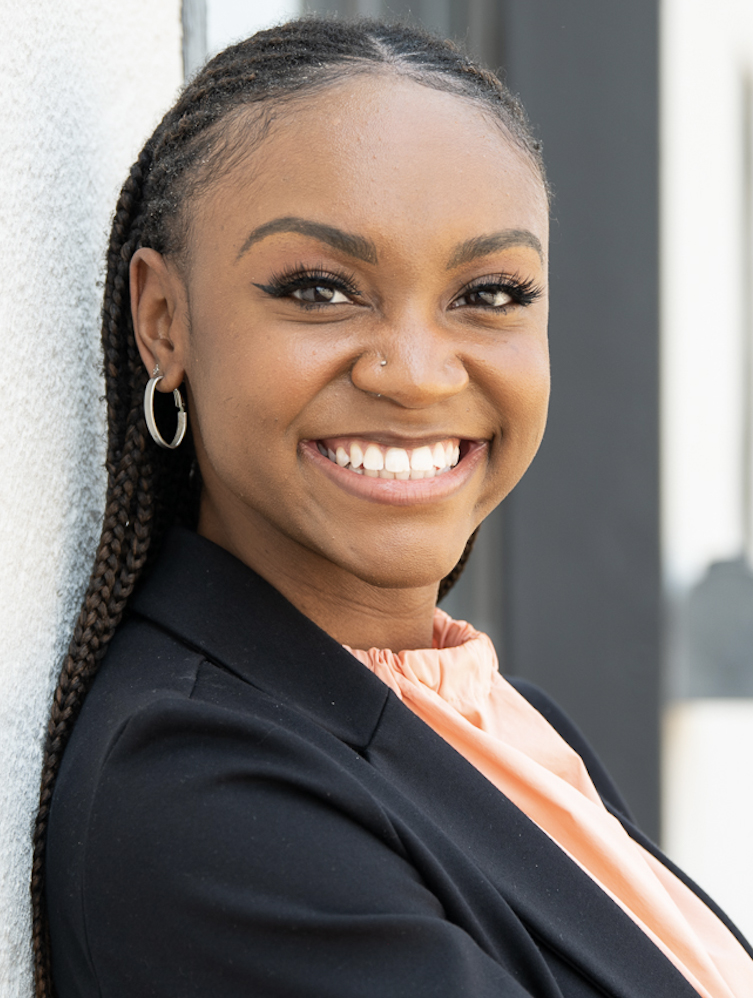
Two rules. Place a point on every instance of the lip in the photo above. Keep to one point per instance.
(396, 492)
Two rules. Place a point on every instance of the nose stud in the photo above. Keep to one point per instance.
(382, 363)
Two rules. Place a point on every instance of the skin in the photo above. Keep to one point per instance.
(420, 179)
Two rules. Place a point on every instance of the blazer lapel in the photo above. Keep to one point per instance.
(522, 862)
(649, 846)
(214, 603)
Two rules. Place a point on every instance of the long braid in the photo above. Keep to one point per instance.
(122, 548)
(449, 580)
(149, 489)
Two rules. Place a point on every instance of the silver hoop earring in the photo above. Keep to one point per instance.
(151, 424)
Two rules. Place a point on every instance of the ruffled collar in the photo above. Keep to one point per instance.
(456, 688)
(459, 667)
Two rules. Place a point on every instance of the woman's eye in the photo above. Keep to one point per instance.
(485, 297)
(312, 287)
(318, 294)
(499, 292)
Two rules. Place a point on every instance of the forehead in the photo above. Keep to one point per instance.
(379, 152)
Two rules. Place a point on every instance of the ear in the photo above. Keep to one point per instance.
(158, 308)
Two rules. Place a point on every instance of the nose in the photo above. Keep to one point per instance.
(415, 364)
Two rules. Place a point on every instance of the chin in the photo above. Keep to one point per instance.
(399, 567)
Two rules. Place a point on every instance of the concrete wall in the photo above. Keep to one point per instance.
(83, 84)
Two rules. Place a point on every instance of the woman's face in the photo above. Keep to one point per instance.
(363, 336)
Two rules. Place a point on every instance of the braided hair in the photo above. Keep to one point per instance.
(148, 489)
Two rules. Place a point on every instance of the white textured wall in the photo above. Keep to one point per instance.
(82, 84)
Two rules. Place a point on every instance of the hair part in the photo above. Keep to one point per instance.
(148, 489)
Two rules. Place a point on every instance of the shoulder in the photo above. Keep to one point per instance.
(167, 734)
(193, 809)
(166, 711)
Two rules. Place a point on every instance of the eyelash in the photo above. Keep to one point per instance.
(523, 291)
(284, 283)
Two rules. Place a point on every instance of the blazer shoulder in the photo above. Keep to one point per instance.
(575, 738)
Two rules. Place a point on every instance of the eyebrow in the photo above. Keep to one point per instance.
(483, 245)
(357, 246)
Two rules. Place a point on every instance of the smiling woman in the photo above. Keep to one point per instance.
(413, 234)
(292, 774)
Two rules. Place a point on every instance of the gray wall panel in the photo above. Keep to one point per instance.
(581, 543)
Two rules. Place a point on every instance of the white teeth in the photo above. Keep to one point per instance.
(377, 461)
(422, 459)
(373, 459)
(396, 459)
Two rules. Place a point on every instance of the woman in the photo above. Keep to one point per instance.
(332, 253)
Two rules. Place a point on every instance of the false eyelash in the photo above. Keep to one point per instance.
(286, 281)
(523, 290)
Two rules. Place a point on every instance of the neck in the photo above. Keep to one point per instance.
(367, 616)
(351, 610)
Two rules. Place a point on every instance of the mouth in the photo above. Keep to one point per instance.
(376, 460)
(416, 472)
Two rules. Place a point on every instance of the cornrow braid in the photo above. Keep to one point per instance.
(148, 489)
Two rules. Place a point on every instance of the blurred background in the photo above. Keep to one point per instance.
(617, 575)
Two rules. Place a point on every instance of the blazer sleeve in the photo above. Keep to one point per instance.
(227, 857)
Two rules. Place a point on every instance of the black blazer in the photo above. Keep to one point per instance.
(244, 810)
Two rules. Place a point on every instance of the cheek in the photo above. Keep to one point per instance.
(522, 386)
(535, 396)
(521, 399)
(250, 391)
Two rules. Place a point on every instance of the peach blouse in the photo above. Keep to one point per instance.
(456, 688)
